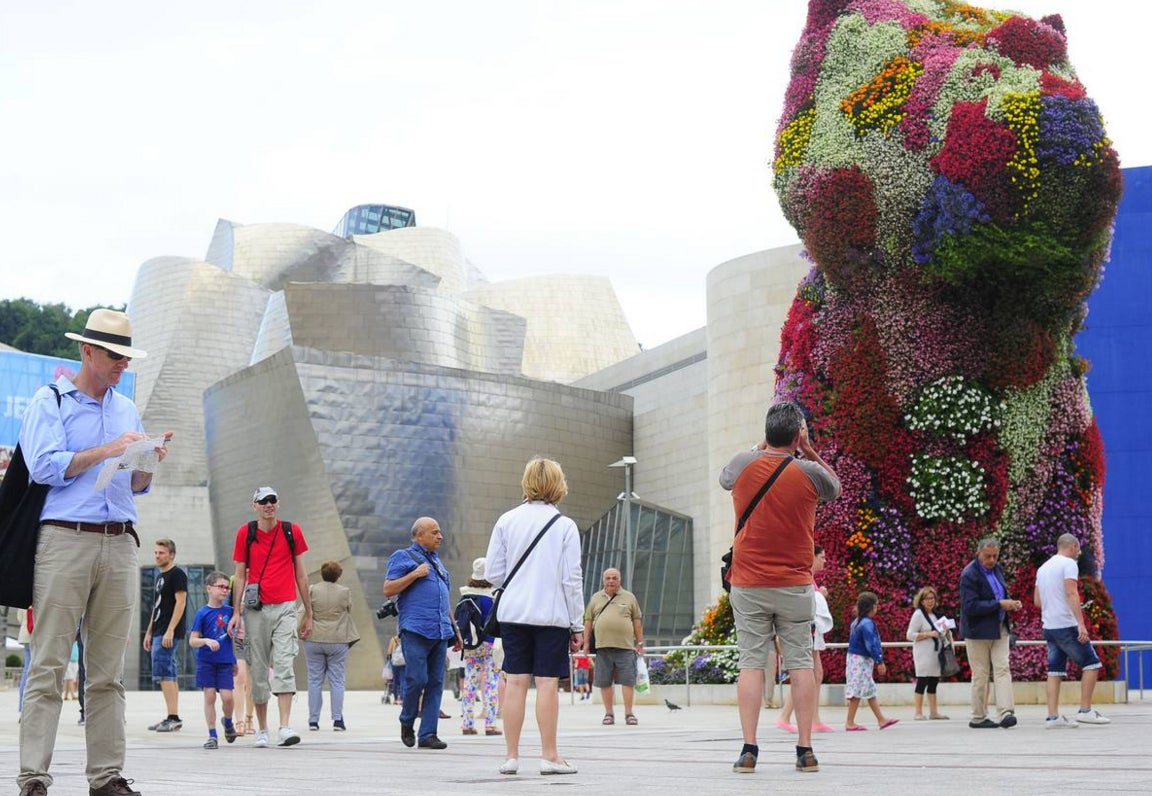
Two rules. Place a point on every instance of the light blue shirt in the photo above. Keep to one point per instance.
(51, 436)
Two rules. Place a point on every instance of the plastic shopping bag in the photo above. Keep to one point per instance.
(641, 675)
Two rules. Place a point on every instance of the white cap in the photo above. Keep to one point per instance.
(263, 492)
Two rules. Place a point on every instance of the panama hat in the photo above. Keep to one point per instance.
(109, 329)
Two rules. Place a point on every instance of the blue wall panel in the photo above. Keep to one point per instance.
(1118, 341)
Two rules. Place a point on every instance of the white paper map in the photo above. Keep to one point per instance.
(140, 455)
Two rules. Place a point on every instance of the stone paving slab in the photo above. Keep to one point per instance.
(687, 751)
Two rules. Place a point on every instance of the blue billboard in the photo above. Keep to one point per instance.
(21, 375)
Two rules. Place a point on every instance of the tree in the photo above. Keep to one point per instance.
(39, 328)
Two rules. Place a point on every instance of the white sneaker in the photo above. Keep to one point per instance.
(261, 739)
(1092, 717)
(287, 737)
(1060, 723)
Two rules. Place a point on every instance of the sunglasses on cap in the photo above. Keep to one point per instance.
(270, 500)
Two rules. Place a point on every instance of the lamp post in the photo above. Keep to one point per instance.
(629, 542)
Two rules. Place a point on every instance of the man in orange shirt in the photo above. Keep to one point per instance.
(771, 572)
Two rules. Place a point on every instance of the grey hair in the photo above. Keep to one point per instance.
(1066, 540)
(988, 542)
(782, 423)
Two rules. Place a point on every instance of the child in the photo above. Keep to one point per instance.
(582, 674)
(822, 622)
(215, 661)
(864, 653)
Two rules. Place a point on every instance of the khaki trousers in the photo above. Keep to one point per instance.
(79, 574)
(989, 660)
(270, 635)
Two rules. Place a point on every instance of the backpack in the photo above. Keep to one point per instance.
(285, 524)
(470, 621)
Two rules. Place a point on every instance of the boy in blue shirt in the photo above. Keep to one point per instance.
(215, 661)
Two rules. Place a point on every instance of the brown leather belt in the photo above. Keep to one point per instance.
(106, 528)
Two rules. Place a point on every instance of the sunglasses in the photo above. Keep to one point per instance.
(270, 500)
(112, 355)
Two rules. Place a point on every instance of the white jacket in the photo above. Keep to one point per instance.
(548, 590)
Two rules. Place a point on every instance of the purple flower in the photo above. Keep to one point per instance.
(1068, 129)
(948, 209)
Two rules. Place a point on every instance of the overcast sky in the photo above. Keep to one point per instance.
(626, 138)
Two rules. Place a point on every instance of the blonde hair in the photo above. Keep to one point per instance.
(544, 480)
(924, 592)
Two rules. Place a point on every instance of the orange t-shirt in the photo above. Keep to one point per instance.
(775, 548)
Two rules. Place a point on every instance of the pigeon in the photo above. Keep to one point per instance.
(671, 705)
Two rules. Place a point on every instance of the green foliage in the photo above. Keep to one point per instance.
(39, 328)
(13, 661)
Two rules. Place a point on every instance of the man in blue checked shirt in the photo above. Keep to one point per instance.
(87, 554)
(420, 579)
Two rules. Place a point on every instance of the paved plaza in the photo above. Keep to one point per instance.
(690, 750)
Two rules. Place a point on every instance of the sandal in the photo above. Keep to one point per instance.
(608, 719)
(469, 730)
(250, 726)
(631, 720)
(492, 731)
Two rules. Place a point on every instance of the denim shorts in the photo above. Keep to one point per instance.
(1064, 643)
(214, 675)
(163, 659)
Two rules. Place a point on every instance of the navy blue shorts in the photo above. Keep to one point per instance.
(214, 675)
(532, 649)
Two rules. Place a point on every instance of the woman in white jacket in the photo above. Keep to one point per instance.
(541, 611)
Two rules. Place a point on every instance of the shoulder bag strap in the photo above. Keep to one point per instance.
(605, 608)
(931, 625)
(539, 536)
(763, 491)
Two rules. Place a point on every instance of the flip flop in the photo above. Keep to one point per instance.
(856, 728)
(822, 728)
(889, 723)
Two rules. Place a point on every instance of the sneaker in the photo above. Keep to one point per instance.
(745, 764)
(983, 724)
(1092, 716)
(80, 720)
(807, 763)
(408, 735)
(115, 787)
(212, 743)
(261, 739)
(313, 726)
(288, 737)
(338, 725)
(432, 742)
(34, 787)
(230, 733)
(1060, 723)
(1008, 721)
(168, 725)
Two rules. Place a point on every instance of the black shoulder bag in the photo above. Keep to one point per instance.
(21, 501)
(726, 566)
(945, 651)
(492, 624)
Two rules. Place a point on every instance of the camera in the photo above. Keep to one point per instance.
(387, 608)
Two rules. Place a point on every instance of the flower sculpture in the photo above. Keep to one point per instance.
(954, 188)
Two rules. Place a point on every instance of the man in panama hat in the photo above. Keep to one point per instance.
(86, 559)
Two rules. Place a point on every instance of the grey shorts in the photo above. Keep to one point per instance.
(762, 614)
(614, 664)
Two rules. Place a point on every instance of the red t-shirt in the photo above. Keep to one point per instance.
(278, 581)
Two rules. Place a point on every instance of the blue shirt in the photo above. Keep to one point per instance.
(864, 639)
(51, 436)
(213, 623)
(425, 606)
(997, 587)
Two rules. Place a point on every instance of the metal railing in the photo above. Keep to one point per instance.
(1126, 649)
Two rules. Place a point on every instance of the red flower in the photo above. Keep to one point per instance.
(975, 154)
(1029, 42)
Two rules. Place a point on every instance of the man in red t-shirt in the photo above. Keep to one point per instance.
(771, 572)
(272, 564)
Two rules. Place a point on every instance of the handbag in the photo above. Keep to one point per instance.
(21, 501)
(492, 624)
(592, 633)
(726, 559)
(945, 651)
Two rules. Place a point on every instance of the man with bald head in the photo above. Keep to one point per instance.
(613, 615)
(419, 581)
